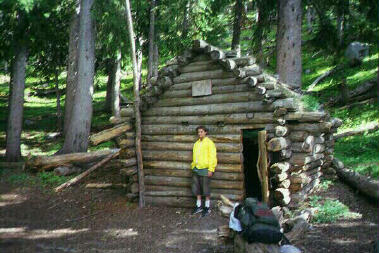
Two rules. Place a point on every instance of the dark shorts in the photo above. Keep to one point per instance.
(200, 185)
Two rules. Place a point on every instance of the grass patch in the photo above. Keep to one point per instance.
(360, 153)
(49, 179)
(330, 210)
(325, 184)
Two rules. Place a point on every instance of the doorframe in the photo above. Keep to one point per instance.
(265, 183)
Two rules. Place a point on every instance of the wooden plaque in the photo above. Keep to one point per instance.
(201, 88)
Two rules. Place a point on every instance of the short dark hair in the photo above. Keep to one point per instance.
(203, 128)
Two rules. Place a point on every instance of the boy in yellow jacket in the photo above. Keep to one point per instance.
(203, 166)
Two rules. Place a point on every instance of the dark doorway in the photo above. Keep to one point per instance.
(250, 159)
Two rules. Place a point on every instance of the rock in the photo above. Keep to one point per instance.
(66, 170)
(52, 136)
(29, 122)
(355, 52)
(289, 249)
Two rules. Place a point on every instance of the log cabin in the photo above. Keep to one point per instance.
(268, 144)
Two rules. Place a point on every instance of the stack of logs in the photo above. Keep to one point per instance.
(303, 140)
(306, 150)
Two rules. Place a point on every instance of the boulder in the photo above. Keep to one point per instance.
(356, 51)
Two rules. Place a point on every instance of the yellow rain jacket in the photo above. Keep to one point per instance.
(204, 155)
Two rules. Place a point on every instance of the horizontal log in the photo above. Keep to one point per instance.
(280, 167)
(278, 143)
(209, 109)
(186, 182)
(188, 173)
(228, 64)
(214, 192)
(129, 171)
(217, 54)
(191, 129)
(366, 185)
(216, 138)
(187, 156)
(213, 99)
(127, 153)
(215, 82)
(200, 67)
(244, 61)
(308, 143)
(281, 131)
(303, 158)
(285, 153)
(109, 133)
(318, 148)
(187, 193)
(197, 76)
(221, 147)
(306, 116)
(48, 162)
(105, 186)
(174, 165)
(237, 118)
(297, 136)
(284, 184)
(312, 128)
(216, 90)
(199, 44)
(282, 195)
(121, 163)
(127, 112)
(371, 127)
(298, 147)
(312, 165)
(277, 178)
(252, 70)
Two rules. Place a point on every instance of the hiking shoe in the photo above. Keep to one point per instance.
(197, 209)
(205, 212)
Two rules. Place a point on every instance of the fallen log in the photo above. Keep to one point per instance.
(109, 133)
(86, 173)
(372, 127)
(322, 77)
(48, 162)
(366, 185)
(105, 186)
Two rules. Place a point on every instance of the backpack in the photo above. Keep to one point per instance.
(258, 222)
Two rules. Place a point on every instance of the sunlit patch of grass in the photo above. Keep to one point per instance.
(330, 210)
(103, 146)
(357, 115)
(360, 153)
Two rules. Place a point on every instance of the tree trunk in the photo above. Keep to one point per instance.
(116, 86)
(16, 105)
(59, 109)
(76, 139)
(72, 67)
(186, 19)
(136, 106)
(289, 42)
(150, 62)
(111, 75)
(237, 27)
(310, 18)
(156, 55)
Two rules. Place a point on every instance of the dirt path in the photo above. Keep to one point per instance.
(345, 235)
(82, 220)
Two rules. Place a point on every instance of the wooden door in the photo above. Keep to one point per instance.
(262, 165)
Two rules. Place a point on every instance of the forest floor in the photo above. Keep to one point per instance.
(34, 219)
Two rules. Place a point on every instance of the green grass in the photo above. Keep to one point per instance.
(330, 210)
(359, 153)
(40, 113)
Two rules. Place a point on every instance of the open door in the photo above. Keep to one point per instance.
(262, 166)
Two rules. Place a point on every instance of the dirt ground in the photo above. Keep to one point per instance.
(33, 219)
